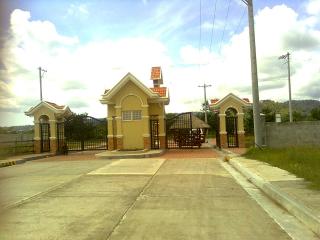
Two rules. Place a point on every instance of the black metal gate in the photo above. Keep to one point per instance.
(114, 133)
(85, 133)
(232, 131)
(60, 136)
(218, 141)
(179, 132)
(154, 133)
(45, 137)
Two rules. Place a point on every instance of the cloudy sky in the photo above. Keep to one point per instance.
(87, 46)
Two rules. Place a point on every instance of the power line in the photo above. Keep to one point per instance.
(240, 21)
(200, 22)
(213, 22)
(225, 25)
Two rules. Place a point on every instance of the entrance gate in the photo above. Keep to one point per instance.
(83, 133)
(232, 131)
(180, 134)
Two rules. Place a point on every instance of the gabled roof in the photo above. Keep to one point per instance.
(217, 103)
(55, 108)
(162, 91)
(154, 95)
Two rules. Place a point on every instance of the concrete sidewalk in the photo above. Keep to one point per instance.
(286, 189)
(22, 159)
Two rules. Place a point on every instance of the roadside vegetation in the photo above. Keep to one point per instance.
(304, 162)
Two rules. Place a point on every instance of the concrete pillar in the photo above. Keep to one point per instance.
(146, 141)
(223, 139)
(119, 142)
(162, 139)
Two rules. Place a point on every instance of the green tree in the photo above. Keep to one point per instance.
(315, 113)
(248, 121)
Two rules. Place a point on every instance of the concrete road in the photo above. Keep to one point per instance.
(129, 199)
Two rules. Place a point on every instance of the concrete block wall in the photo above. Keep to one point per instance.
(306, 133)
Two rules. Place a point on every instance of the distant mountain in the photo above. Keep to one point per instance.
(304, 106)
(16, 129)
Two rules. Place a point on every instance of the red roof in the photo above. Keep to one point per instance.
(156, 73)
(55, 105)
(246, 99)
(162, 91)
(215, 100)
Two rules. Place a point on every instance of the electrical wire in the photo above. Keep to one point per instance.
(213, 22)
(200, 22)
(225, 25)
(240, 21)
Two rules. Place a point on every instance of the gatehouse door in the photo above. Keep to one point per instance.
(232, 131)
(114, 132)
(154, 133)
(45, 137)
(217, 125)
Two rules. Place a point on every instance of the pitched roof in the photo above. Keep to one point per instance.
(156, 73)
(55, 105)
(152, 95)
(162, 91)
(57, 109)
(217, 102)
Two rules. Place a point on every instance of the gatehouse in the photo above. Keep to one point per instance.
(136, 120)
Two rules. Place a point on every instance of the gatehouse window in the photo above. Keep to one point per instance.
(131, 115)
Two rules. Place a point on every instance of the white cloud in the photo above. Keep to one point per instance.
(313, 7)
(278, 30)
(78, 72)
(78, 10)
(75, 71)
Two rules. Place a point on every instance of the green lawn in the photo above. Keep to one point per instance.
(304, 162)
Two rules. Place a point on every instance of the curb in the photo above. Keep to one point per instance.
(301, 212)
(23, 160)
(128, 156)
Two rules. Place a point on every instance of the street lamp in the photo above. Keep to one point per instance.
(287, 56)
(254, 77)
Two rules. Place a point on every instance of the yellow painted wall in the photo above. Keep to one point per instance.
(131, 97)
(231, 103)
(43, 111)
(132, 130)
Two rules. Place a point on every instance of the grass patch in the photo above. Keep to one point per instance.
(303, 162)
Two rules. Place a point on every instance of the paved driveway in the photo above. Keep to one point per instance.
(161, 198)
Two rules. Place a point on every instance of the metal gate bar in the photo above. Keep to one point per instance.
(179, 132)
(232, 131)
(45, 137)
(154, 133)
(85, 133)
(218, 141)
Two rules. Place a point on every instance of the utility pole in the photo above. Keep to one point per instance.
(41, 73)
(254, 77)
(287, 56)
(205, 101)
